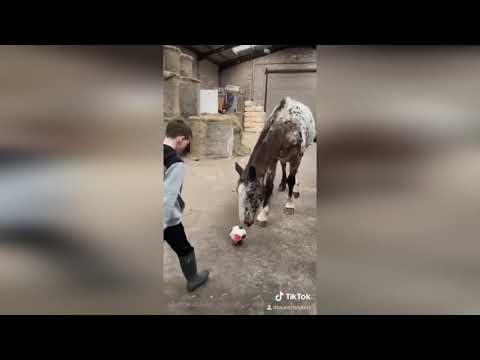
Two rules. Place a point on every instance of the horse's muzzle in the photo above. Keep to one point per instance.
(248, 223)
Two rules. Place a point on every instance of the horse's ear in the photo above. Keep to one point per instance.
(239, 169)
(252, 173)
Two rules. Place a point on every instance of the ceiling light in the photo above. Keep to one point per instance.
(242, 48)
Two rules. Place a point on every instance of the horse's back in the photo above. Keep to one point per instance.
(293, 111)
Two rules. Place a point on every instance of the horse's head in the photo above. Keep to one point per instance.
(250, 194)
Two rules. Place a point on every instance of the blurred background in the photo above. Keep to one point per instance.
(80, 179)
(398, 179)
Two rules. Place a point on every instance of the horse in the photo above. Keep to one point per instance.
(287, 133)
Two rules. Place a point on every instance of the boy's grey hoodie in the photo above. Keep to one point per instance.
(174, 170)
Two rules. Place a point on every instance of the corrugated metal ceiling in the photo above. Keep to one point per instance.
(223, 56)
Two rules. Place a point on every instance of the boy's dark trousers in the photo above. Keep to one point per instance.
(177, 239)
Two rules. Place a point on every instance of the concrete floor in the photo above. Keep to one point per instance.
(245, 279)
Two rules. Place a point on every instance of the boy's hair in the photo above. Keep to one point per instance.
(178, 127)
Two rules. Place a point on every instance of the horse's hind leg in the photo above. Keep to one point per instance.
(296, 187)
(283, 184)
(296, 190)
(291, 181)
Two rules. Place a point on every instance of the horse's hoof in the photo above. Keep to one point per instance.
(282, 188)
(261, 223)
(296, 195)
(289, 211)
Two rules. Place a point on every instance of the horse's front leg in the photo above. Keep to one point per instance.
(262, 217)
(283, 183)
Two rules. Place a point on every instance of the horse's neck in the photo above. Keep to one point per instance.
(265, 153)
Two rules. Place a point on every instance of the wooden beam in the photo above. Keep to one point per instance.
(289, 71)
(211, 60)
(220, 54)
(248, 57)
(198, 54)
(215, 51)
(195, 51)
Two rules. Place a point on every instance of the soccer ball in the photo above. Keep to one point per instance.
(238, 234)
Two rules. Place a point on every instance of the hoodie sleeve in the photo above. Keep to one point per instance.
(172, 186)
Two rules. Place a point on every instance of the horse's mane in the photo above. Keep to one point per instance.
(265, 132)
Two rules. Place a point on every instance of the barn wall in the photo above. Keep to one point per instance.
(205, 71)
(208, 75)
(250, 75)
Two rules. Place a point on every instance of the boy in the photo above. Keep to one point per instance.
(178, 136)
